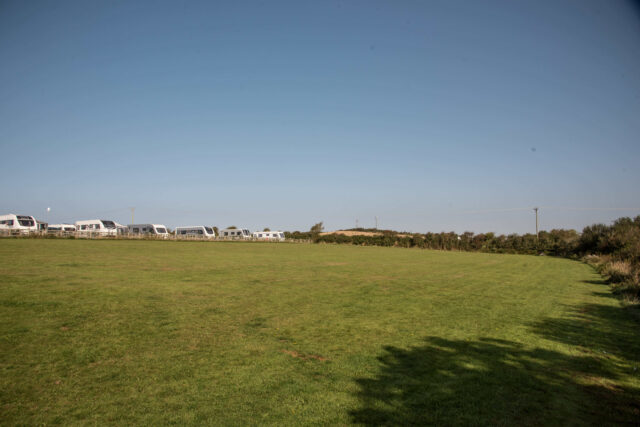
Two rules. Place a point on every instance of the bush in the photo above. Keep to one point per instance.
(618, 271)
(629, 286)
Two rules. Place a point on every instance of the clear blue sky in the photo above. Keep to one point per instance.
(428, 114)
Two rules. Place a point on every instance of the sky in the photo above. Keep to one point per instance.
(429, 115)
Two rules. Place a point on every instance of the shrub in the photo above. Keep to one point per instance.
(629, 285)
(618, 271)
(596, 260)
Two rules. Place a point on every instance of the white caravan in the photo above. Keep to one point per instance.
(61, 228)
(149, 229)
(23, 224)
(102, 227)
(269, 235)
(235, 233)
(201, 231)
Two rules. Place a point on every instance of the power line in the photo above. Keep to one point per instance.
(496, 210)
(590, 209)
(556, 208)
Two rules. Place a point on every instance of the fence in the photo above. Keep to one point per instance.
(9, 233)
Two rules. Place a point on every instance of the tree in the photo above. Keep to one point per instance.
(315, 231)
(232, 227)
(266, 229)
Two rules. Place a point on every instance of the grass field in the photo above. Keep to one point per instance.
(153, 332)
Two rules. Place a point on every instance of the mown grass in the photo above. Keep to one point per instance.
(152, 332)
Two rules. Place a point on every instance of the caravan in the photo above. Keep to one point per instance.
(158, 230)
(197, 231)
(21, 224)
(102, 227)
(235, 234)
(277, 236)
(66, 229)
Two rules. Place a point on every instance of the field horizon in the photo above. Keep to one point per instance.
(160, 332)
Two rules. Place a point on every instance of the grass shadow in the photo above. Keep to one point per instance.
(493, 382)
(499, 382)
(602, 329)
(605, 294)
(596, 282)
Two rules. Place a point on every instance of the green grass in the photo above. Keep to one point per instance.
(153, 332)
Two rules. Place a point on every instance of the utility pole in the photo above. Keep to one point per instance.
(536, 210)
(376, 223)
(132, 212)
(356, 222)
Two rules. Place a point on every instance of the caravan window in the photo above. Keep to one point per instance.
(209, 230)
(25, 221)
(136, 230)
(161, 230)
(282, 235)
